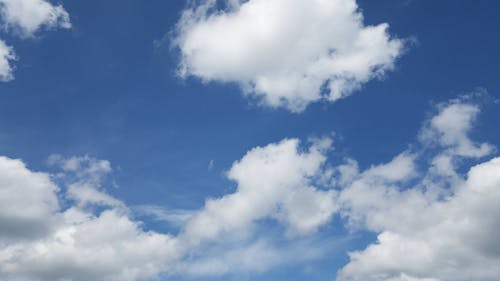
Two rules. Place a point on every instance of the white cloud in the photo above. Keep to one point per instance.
(273, 182)
(404, 277)
(440, 227)
(82, 169)
(289, 53)
(431, 225)
(84, 176)
(399, 169)
(433, 222)
(86, 194)
(107, 247)
(7, 55)
(453, 239)
(450, 128)
(254, 257)
(27, 199)
(26, 17)
(371, 199)
(39, 240)
(175, 217)
(94, 238)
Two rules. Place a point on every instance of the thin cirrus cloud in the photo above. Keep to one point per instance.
(420, 202)
(286, 53)
(25, 18)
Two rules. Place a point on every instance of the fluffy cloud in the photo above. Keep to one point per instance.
(287, 53)
(77, 243)
(84, 176)
(450, 239)
(27, 199)
(108, 247)
(26, 17)
(450, 129)
(274, 181)
(7, 55)
(443, 227)
(95, 238)
(433, 221)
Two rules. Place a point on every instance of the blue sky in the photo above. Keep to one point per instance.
(109, 88)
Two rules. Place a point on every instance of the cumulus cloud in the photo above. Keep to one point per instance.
(84, 176)
(27, 199)
(26, 17)
(432, 224)
(275, 181)
(287, 53)
(451, 239)
(108, 246)
(440, 228)
(450, 129)
(76, 242)
(95, 238)
(7, 55)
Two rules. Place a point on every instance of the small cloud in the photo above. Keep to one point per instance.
(211, 165)
(7, 55)
(174, 217)
(26, 17)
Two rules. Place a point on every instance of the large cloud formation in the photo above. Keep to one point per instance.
(288, 53)
(96, 238)
(443, 227)
(77, 243)
(25, 18)
(434, 219)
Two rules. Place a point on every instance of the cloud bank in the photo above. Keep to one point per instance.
(96, 238)
(434, 208)
(287, 53)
